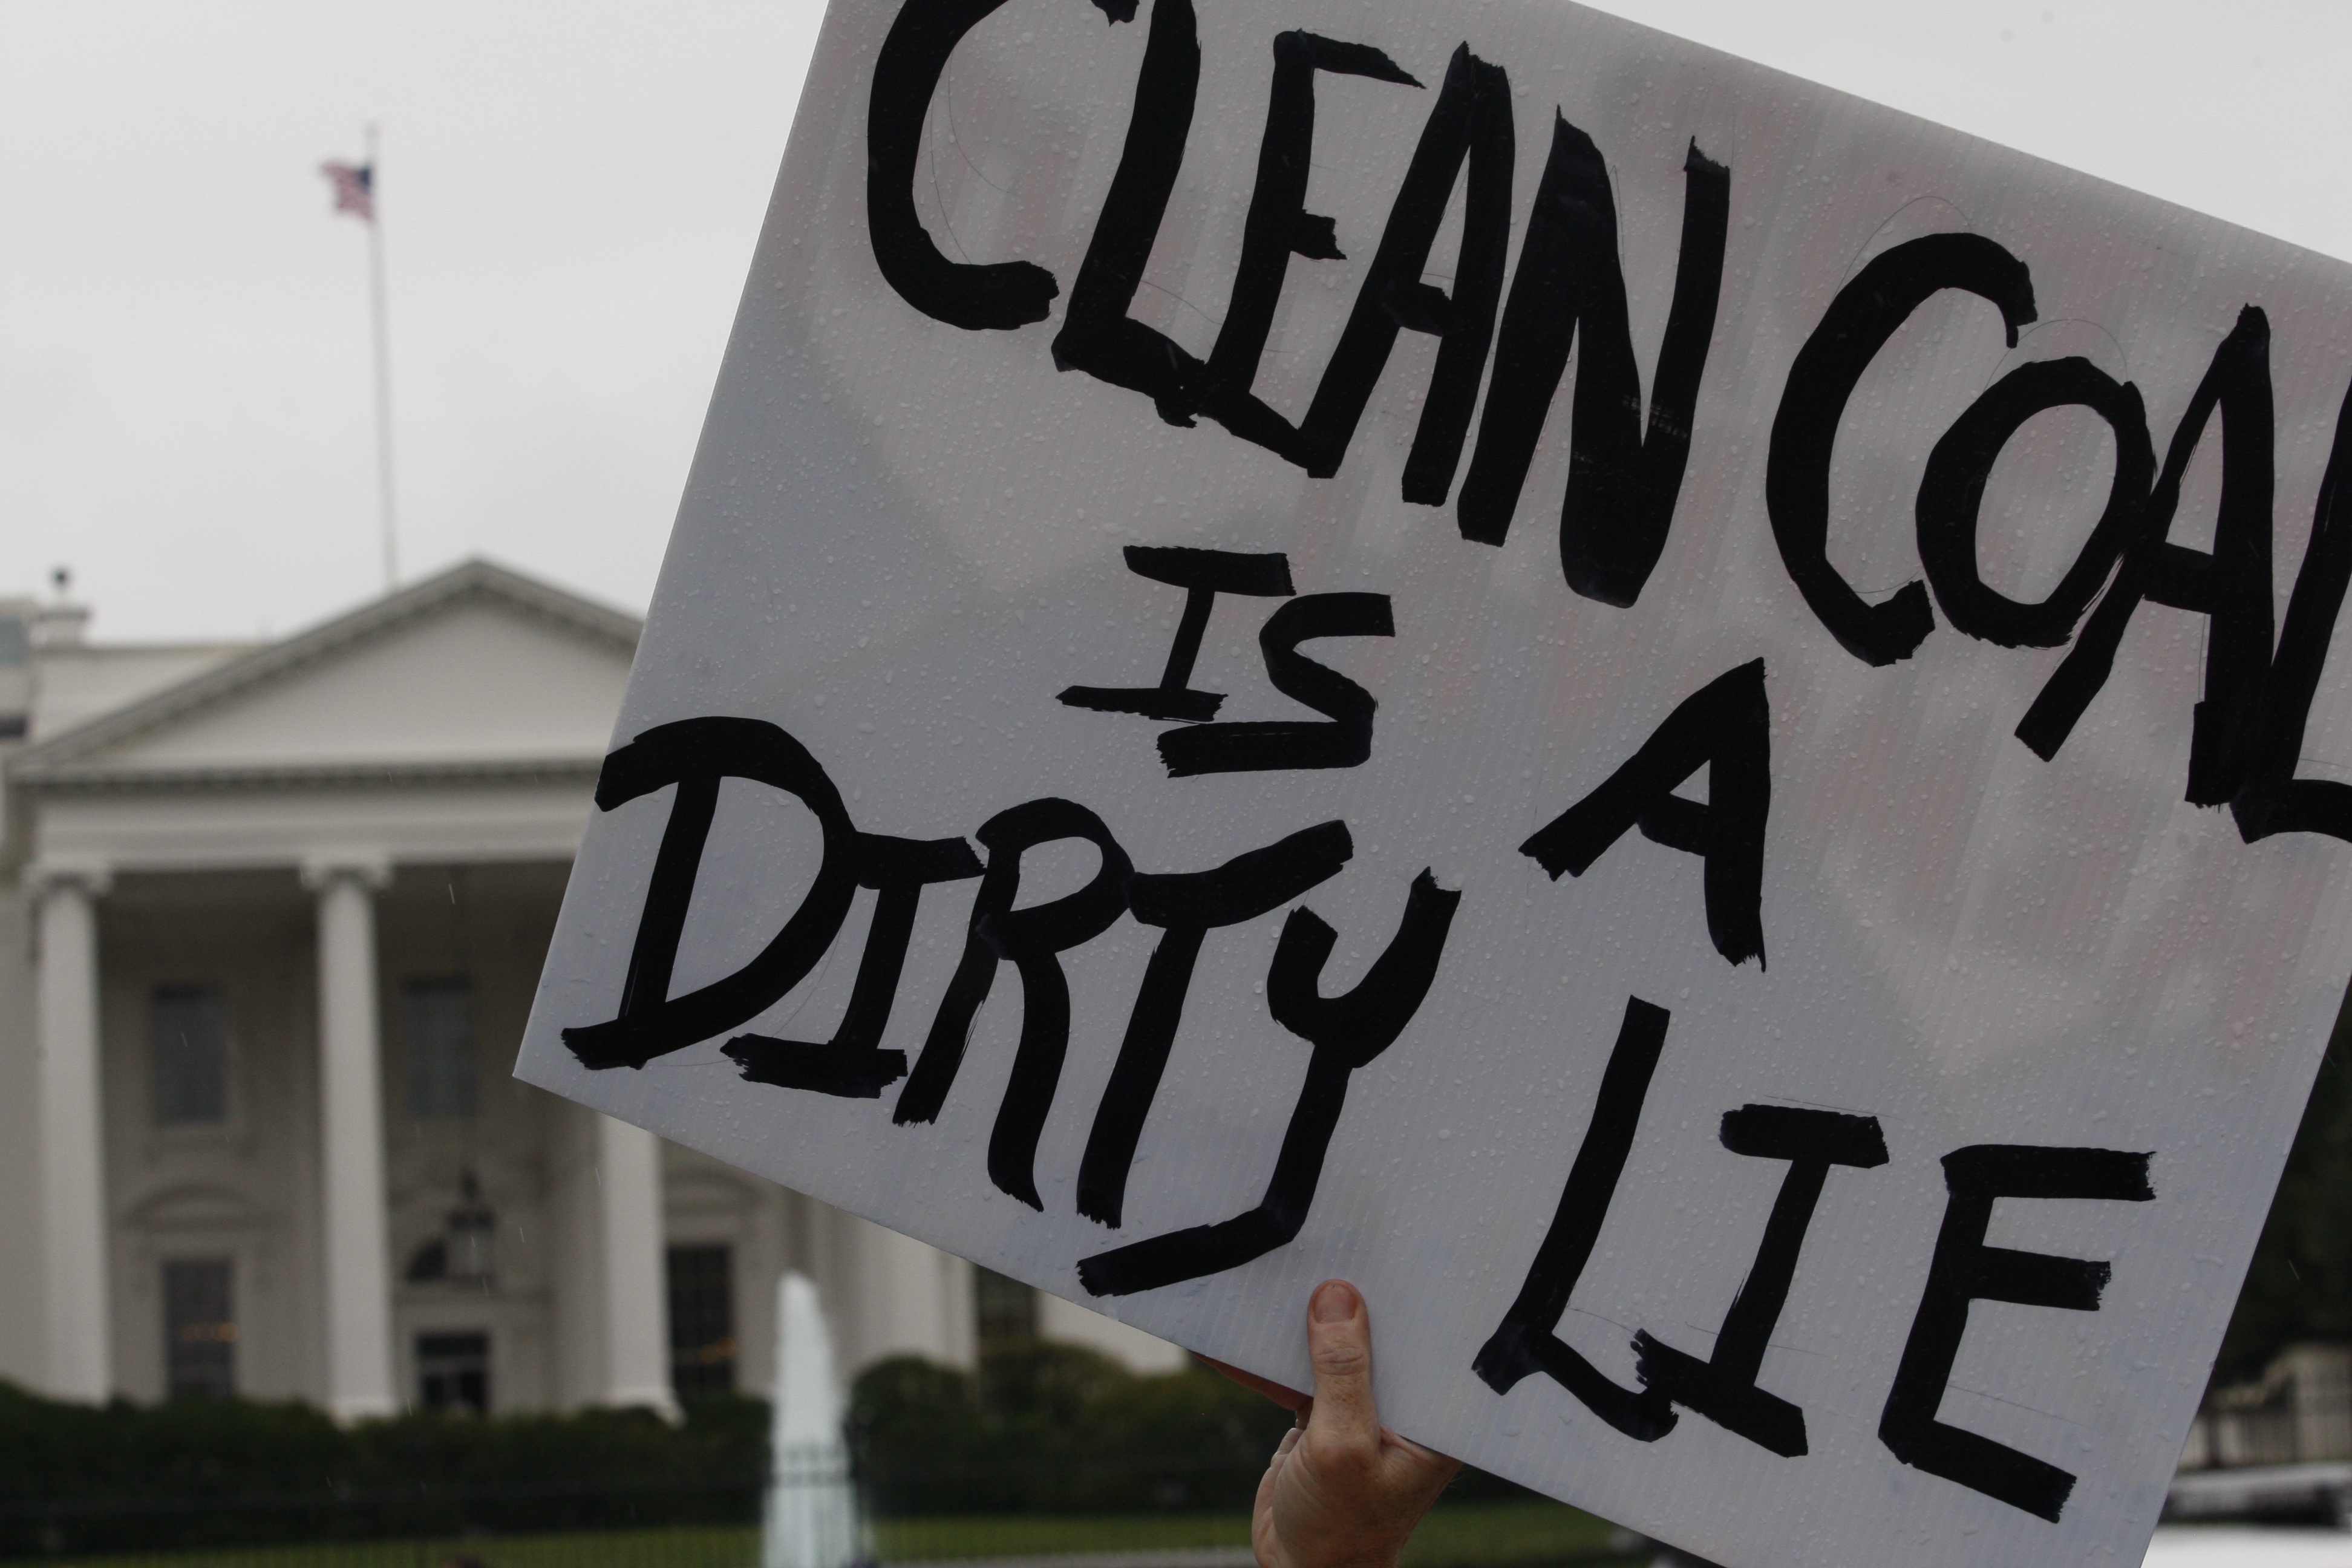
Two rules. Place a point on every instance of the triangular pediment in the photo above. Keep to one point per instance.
(478, 666)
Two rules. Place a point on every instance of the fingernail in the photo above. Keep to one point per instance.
(1289, 1441)
(1334, 1301)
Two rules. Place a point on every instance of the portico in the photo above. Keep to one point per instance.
(245, 855)
(283, 909)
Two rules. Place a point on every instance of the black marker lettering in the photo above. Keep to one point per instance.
(1964, 1270)
(1528, 1339)
(1030, 940)
(1186, 905)
(2272, 799)
(2231, 585)
(1278, 227)
(1622, 485)
(1471, 122)
(1347, 1032)
(1723, 1387)
(852, 1064)
(1202, 575)
(1345, 741)
(1952, 490)
(1726, 728)
(1865, 314)
(1098, 336)
(1002, 294)
(695, 755)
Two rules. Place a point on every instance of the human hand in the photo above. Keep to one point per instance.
(1342, 1490)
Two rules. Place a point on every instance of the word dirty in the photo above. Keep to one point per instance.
(1345, 1032)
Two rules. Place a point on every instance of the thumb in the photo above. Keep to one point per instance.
(1339, 1347)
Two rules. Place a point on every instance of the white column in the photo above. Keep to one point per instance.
(351, 1135)
(74, 1230)
(958, 1317)
(910, 1297)
(636, 1304)
(1075, 1325)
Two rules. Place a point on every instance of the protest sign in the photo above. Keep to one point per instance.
(1682, 723)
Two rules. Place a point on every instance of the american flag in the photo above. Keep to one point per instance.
(354, 187)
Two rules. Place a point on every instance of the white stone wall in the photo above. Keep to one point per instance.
(487, 924)
(1060, 1319)
(246, 1189)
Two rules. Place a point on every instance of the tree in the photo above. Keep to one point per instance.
(2300, 1284)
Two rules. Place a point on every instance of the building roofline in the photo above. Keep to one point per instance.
(85, 779)
(58, 758)
(192, 645)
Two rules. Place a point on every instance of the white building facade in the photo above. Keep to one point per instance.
(273, 920)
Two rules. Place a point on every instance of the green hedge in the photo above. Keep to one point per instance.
(1040, 1428)
(2300, 1284)
(217, 1472)
(1055, 1428)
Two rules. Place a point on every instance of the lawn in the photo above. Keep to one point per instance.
(1469, 1535)
(1460, 1535)
(686, 1546)
(1051, 1534)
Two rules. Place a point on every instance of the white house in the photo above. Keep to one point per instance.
(273, 917)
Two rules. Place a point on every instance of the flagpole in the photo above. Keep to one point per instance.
(383, 369)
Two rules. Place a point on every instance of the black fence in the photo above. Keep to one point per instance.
(1209, 1484)
(1042, 1452)
(77, 1482)
(121, 1525)
(471, 1532)
(668, 1526)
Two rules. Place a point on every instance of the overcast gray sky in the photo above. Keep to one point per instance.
(572, 191)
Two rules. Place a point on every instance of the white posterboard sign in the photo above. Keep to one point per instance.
(1679, 723)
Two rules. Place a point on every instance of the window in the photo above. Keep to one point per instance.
(701, 1320)
(199, 1329)
(465, 1253)
(1006, 1310)
(190, 1056)
(439, 1019)
(453, 1372)
(15, 642)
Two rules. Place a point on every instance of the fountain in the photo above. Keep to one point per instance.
(811, 1514)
